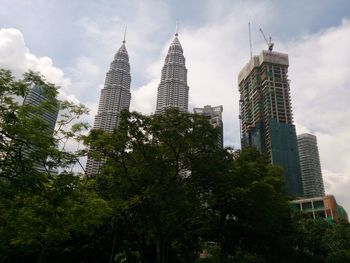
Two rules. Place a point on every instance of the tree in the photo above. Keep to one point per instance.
(173, 189)
(40, 210)
(167, 192)
(24, 138)
(250, 215)
(318, 240)
(150, 178)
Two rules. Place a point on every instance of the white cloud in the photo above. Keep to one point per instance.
(12, 50)
(144, 98)
(105, 35)
(214, 55)
(338, 184)
(319, 70)
(15, 56)
(215, 52)
(84, 75)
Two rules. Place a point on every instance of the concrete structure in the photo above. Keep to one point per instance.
(266, 114)
(214, 115)
(310, 165)
(173, 89)
(115, 97)
(323, 207)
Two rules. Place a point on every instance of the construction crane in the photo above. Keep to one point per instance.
(269, 43)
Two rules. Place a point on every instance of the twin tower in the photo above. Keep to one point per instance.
(265, 106)
(116, 96)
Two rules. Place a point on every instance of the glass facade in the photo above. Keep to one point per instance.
(266, 114)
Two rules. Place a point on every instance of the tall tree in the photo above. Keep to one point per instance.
(167, 193)
(39, 209)
(172, 189)
(318, 240)
(250, 213)
(151, 163)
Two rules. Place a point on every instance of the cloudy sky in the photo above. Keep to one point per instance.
(72, 43)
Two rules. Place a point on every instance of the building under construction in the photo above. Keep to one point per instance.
(266, 114)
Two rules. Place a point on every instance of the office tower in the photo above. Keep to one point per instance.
(115, 97)
(36, 96)
(173, 89)
(20, 150)
(310, 165)
(266, 114)
(46, 108)
(214, 115)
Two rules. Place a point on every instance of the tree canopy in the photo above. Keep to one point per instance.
(167, 192)
(39, 209)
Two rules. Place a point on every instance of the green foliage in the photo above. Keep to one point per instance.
(167, 192)
(148, 178)
(251, 215)
(173, 188)
(318, 240)
(25, 142)
(40, 209)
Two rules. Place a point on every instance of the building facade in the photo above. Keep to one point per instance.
(36, 96)
(115, 97)
(310, 165)
(266, 114)
(214, 115)
(173, 88)
(321, 207)
(47, 109)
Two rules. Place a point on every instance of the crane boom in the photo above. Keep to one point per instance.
(269, 43)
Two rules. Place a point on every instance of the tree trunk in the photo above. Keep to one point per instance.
(42, 254)
(111, 259)
(158, 250)
(162, 251)
(165, 252)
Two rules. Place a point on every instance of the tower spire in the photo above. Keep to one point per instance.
(125, 34)
(173, 88)
(115, 97)
(177, 29)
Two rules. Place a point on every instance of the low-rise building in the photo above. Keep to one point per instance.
(321, 207)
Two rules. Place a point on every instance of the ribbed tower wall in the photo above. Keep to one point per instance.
(115, 97)
(310, 165)
(173, 88)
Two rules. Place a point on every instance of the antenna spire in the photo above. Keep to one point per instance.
(125, 34)
(177, 29)
(250, 40)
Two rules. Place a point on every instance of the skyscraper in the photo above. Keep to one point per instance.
(36, 96)
(46, 108)
(310, 165)
(115, 97)
(173, 89)
(266, 114)
(214, 115)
